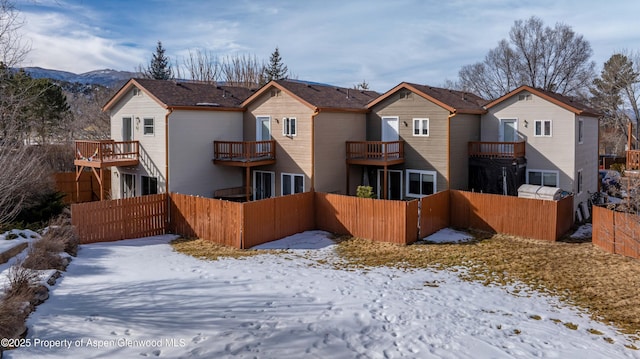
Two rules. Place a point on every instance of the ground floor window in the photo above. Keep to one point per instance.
(128, 185)
(420, 183)
(149, 185)
(542, 178)
(292, 183)
(263, 184)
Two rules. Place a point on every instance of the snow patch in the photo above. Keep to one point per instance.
(449, 235)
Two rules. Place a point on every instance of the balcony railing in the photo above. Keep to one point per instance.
(244, 152)
(372, 152)
(633, 160)
(497, 149)
(106, 153)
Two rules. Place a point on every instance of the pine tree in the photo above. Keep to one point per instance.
(159, 68)
(276, 70)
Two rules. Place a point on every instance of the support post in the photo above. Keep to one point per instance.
(247, 185)
(384, 181)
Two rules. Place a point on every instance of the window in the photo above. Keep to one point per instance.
(525, 97)
(289, 126)
(149, 185)
(292, 183)
(543, 128)
(148, 126)
(542, 178)
(579, 180)
(421, 127)
(420, 183)
(128, 185)
(580, 131)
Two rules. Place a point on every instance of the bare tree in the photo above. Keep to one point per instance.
(553, 59)
(202, 66)
(12, 47)
(89, 121)
(242, 70)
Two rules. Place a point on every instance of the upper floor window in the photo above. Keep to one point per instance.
(580, 131)
(148, 126)
(542, 128)
(421, 127)
(289, 127)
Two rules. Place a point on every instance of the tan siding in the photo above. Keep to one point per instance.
(152, 148)
(560, 152)
(421, 153)
(332, 131)
(464, 128)
(191, 136)
(293, 154)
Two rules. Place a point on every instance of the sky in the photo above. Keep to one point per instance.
(340, 42)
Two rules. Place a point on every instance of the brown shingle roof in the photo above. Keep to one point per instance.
(452, 100)
(187, 94)
(321, 96)
(566, 102)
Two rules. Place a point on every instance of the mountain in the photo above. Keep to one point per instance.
(107, 77)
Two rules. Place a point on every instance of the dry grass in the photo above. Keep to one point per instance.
(607, 286)
(204, 249)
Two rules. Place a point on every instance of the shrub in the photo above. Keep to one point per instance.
(620, 167)
(60, 229)
(365, 192)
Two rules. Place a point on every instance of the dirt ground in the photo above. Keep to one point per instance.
(606, 286)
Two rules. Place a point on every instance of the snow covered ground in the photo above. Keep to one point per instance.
(139, 298)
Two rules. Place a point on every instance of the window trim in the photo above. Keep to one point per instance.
(254, 184)
(153, 126)
(286, 126)
(293, 183)
(542, 128)
(142, 185)
(579, 182)
(380, 179)
(580, 131)
(421, 121)
(542, 172)
(421, 172)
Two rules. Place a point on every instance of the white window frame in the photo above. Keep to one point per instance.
(579, 181)
(420, 172)
(286, 126)
(153, 126)
(542, 172)
(580, 131)
(542, 128)
(421, 127)
(293, 182)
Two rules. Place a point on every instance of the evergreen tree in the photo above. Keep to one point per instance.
(613, 91)
(276, 70)
(159, 68)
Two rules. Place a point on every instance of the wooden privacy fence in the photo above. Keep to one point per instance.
(89, 186)
(244, 225)
(616, 232)
(118, 219)
(379, 220)
(524, 217)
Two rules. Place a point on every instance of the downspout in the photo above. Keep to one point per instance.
(166, 148)
(313, 149)
(451, 115)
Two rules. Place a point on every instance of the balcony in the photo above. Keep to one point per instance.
(497, 149)
(633, 163)
(244, 153)
(107, 153)
(376, 153)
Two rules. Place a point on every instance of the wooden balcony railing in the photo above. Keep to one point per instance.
(497, 149)
(106, 153)
(372, 152)
(245, 153)
(633, 160)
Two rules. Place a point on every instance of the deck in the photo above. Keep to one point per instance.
(244, 153)
(497, 149)
(107, 153)
(376, 153)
